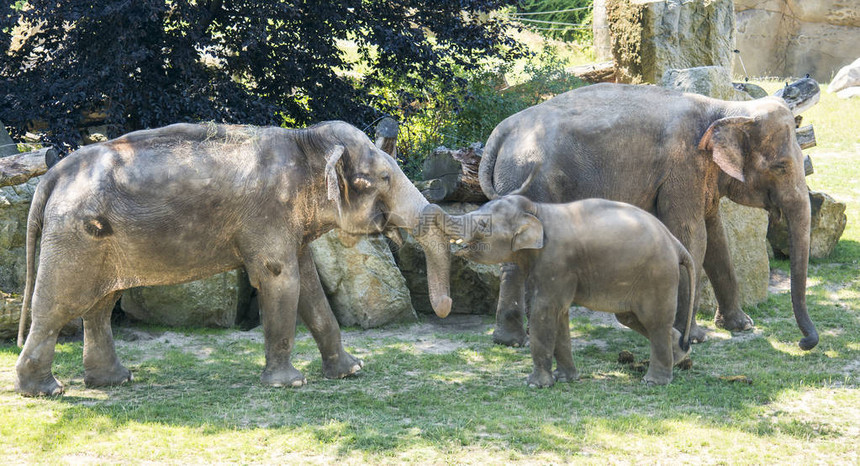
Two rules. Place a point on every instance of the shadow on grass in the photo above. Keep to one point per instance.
(474, 394)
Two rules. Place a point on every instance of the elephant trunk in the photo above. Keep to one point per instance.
(409, 209)
(798, 225)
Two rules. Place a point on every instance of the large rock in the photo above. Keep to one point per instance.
(362, 282)
(796, 37)
(712, 81)
(216, 301)
(828, 223)
(474, 287)
(746, 232)
(652, 36)
(848, 77)
(14, 208)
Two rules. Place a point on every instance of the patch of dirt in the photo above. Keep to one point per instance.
(780, 282)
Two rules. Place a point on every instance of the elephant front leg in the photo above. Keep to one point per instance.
(544, 319)
(316, 313)
(101, 365)
(509, 329)
(718, 266)
(279, 285)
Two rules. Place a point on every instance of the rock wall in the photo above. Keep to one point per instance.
(14, 208)
(652, 36)
(797, 37)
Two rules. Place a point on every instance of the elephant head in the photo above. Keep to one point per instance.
(496, 232)
(372, 194)
(756, 148)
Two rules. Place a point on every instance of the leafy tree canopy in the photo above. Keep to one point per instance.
(147, 63)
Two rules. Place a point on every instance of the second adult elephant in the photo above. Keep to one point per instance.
(672, 154)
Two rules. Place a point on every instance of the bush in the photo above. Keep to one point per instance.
(468, 114)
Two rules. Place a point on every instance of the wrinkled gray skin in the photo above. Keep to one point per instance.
(605, 255)
(183, 202)
(673, 155)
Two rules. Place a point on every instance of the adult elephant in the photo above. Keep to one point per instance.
(182, 202)
(672, 154)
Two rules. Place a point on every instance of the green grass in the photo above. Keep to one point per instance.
(432, 395)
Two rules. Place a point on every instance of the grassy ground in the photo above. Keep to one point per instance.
(441, 392)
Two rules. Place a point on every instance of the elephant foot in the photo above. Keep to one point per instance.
(286, 377)
(540, 379)
(117, 375)
(48, 386)
(698, 334)
(656, 378)
(737, 322)
(342, 365)
(515, 337)
(565, 375)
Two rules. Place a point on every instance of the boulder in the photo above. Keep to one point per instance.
(474, 287)
(652, 36)
(849, 92)
(712, 81)
(848, 76)
(796, 37)
(362, 282)
(14, 208)
(746, 232)
(828, 223)
(753, 90)
(216, 301)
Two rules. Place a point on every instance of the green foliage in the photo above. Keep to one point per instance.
(555, 12)
(148, 63)
(465, 115)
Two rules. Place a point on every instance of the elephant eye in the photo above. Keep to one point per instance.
(361, 182)
(779, 167)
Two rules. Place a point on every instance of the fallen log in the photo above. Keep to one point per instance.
(386, 136)
(594, 73)
(800, 95)
(806, 137)
(18, 168)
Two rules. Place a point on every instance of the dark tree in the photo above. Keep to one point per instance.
(134, 64)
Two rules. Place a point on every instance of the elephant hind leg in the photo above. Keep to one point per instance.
(34, 376)
(101, 365)
(565, 369)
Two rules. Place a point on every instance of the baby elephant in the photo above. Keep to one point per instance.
(604, 255)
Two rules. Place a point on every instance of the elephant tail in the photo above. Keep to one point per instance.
(34, 229)
(488, 165)
(686, 260)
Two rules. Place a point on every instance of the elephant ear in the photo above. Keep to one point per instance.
(529, 234)
(331, 175)
(724, 139)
